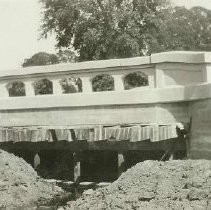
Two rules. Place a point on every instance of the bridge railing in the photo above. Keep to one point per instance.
(85, 71)
(158, 71)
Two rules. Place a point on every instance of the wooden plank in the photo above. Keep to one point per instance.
(134, 133)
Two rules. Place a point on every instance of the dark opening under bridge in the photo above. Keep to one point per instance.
(174, 99)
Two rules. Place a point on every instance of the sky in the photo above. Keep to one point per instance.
(19, 30)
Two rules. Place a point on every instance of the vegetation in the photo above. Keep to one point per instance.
(104, 29)
(40, 59)
(185, 29)
(43, 58)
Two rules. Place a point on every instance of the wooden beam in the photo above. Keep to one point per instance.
(121, 163)
(77, 167)
(77, 146)
(172, 155)
(36, 161)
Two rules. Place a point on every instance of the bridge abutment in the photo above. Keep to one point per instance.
(200, 134)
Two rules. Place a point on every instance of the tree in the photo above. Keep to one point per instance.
(185, 29)
(40, 59)
(67, 56)
(101, 29)
(43, 58)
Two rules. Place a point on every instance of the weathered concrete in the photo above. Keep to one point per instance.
(200, 136)
(178, 83)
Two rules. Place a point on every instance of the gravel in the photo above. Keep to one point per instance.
(177, 184)
(20, 185)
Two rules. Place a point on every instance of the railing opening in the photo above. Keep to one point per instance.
(135, 79)
(43, 87)
(102, 82)
(71, 85)
(16, 89)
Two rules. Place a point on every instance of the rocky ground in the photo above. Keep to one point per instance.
(20, 185)
(179, 184)
(150, 185)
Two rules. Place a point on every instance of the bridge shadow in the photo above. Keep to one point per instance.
(99, 161)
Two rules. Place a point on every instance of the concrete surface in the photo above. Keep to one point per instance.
(178, 82)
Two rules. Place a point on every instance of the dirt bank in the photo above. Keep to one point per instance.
(154, 185)
(20, 184)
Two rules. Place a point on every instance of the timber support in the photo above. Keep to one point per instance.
(121, 163)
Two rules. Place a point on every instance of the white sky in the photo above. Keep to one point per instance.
(19, 24)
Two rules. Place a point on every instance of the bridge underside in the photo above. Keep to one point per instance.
(94, 153)
(170, 144)
(93, 161)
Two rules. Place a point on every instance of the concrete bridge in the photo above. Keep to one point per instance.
(171, 107)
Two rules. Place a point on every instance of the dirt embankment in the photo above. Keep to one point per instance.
(20, 184)
(154, 185)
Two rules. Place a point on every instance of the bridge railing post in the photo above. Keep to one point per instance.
(118, 82)
(29, 88)
(4, 91)
(57, 88)
(207, 73)
(159, 76)
(86, 84)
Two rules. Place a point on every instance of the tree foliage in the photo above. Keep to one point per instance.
(67, 56)
(101, 29)
(43, 58)
(40, 59)
(185, 29)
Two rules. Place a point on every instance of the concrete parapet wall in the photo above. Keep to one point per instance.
(162, 70)
(100, 115)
